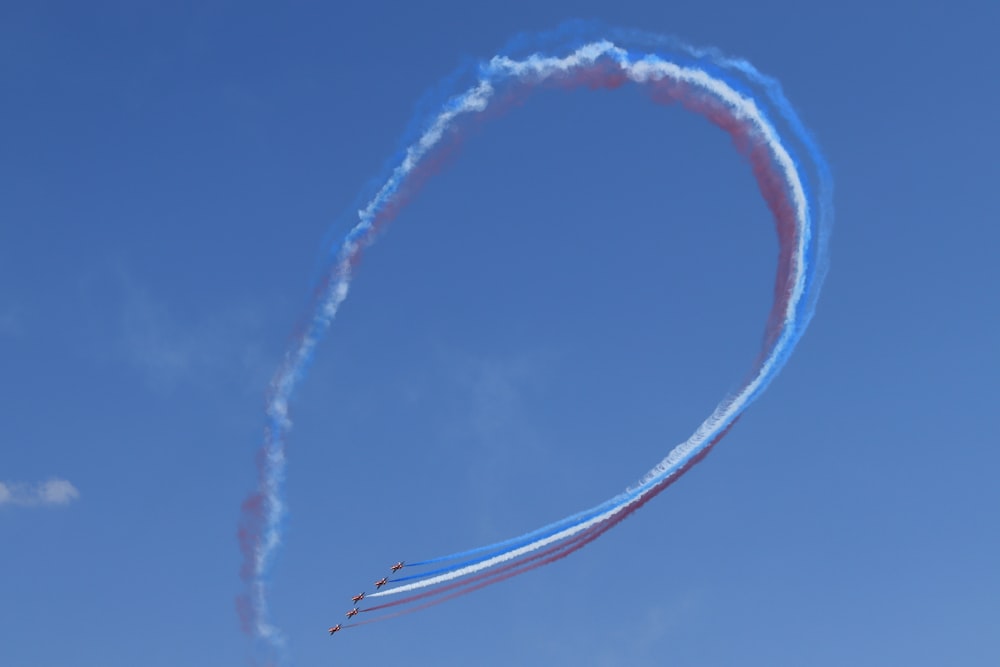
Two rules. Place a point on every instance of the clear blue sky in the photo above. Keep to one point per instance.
(550, 315)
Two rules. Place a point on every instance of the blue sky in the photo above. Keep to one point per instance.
(549, 316)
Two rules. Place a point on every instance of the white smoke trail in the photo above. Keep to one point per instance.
(502, 558)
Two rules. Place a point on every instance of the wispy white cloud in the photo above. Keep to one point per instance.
(171, 350)
(493, 427)
(51, 493)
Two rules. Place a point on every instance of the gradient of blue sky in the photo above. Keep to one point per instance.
(552, 314)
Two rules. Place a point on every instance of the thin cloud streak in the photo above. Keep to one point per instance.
(51, 493)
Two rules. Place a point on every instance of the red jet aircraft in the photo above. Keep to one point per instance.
(358, 598)
(381, 582)
(335, 628)
(353, 612)
(397, 566)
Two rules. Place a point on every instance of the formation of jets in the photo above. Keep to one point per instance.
(361, 596)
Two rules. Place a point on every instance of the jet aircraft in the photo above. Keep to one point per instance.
(335, 628)
(353, 612)
(397, 566)
(381, 582)
(358, 598)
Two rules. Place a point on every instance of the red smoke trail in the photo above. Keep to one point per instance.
(484, 575)
(430, 165)
(249, 534)
(549, 555)
(770, 181)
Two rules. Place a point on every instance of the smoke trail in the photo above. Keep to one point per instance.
(782, 187)
(537, 558)
(729, 93)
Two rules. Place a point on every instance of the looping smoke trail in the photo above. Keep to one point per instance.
(728, 92)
